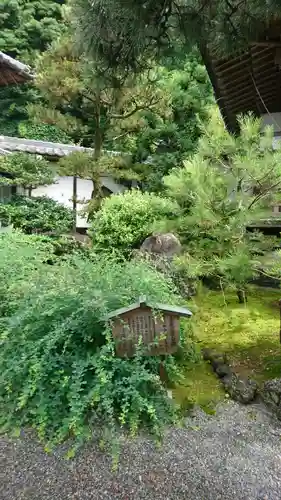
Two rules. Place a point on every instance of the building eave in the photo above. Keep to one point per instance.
(43, 148)
(248, 81)
(13, 71)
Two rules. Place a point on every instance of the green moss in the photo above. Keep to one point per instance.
(248, 334)
(200, 387)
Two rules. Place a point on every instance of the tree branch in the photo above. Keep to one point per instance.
(260, 195)
(137, 108)
(121, 135)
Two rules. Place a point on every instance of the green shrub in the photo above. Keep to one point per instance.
(59, 372)
(42, 132)
(125, 220)
(5, 217)
(37, 215)
(20, 258)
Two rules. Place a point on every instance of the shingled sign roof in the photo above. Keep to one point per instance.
(13, 71)
(143, 302)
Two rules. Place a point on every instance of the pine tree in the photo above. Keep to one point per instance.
(127, 35)
(227, 187)
(168, 134)
(23, 169)
(27, 28)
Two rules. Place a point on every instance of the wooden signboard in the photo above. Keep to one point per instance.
(155, 327)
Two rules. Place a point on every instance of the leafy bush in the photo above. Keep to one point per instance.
(37, 215)
(59, 372)
(125, 220)
(20, 256)
(42, 132)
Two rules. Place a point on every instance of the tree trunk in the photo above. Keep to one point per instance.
(98, 131)
(97, 185)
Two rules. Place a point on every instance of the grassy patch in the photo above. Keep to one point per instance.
(248, 334)
(201, 387)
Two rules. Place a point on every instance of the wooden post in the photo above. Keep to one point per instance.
(164, 379)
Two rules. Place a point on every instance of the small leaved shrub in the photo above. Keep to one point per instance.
(125, 220)
(20, 258)
(58, 368)
(37, 215)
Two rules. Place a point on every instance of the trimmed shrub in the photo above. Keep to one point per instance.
(37, 215)
(125, 220)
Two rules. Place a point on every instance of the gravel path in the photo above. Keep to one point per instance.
(234, 455)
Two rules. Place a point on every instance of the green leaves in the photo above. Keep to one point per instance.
(27, 28)
(27, 170)
(125, 220)
(58, 369)
(228, 186)
(36, 215)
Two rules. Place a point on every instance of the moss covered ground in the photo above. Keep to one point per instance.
(248, 334)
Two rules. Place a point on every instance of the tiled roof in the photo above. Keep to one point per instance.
(13, 71)
(44, 148)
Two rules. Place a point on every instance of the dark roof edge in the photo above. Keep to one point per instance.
(207, 59)
(16, 66)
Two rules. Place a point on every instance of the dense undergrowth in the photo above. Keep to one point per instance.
(59, 371)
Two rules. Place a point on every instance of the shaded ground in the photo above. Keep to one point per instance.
(248, 334)
(233, 455)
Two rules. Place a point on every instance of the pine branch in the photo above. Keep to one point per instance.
(261, 195)
(137, 108)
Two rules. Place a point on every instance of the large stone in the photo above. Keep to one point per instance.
(166, 244)
(161, 250)
(242, 390)
(216, 359)
(223, 370)
(271, 395)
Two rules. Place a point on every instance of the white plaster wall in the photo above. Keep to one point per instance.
(274, 120)
(62, 192)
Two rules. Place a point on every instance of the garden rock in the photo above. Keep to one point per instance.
(161, 249)
(271, 395)
(216, 359)
(223, 370)
(162, 244)
(241, 390)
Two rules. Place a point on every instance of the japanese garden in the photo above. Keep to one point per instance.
(140, 256)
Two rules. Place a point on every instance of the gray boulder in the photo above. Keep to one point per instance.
(271, 395)
(241, 390)
(223, 370)
(166, 244)
(216, 359)
(161, 250)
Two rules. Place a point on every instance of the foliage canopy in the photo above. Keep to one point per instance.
(127, 35)
(59, 372)
(27, 28)
(227, 187)
(26, 170)
(125, 220)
